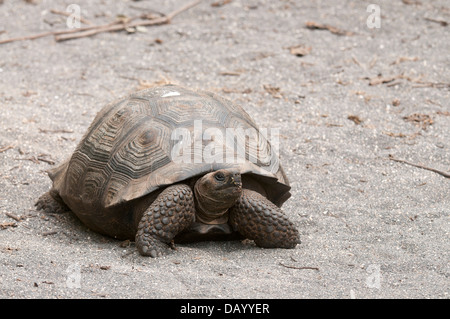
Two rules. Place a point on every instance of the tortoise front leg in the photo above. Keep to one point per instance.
(257, 218)
(171, 212)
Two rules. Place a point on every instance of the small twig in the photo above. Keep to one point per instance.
(389, 81)
(67, 14)
(244, 91)
(11, 215)
(48, 233)
(150, 11)
(230, 73)
(372, 63)
(295, 267)
(382, 79)
(274, 91)
(123, 26)
(55, 131)
(420, 166)
(299, 50)
(36, 160)
(404, 59)
(438, 85)
(29, 37)
(357, 62)
(95, 30)
(171, 15)
(441, 22)
(46, 160)
(220, 3)
(6, 225)
(410, 2)
(4, 149)
(62, 35)
(45, 34)
(318, 26)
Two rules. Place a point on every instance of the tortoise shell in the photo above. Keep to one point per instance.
(134, 146)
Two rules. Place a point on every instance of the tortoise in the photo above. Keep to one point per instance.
(146, 170)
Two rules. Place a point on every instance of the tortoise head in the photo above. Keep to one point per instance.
(217, 191)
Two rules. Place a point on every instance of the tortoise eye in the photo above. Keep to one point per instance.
(219, 177)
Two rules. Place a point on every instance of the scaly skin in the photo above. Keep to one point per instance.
(255, 217)
(171, 212)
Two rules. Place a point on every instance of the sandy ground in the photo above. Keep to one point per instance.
(370, 227)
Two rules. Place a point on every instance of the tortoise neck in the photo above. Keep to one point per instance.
(208, 209)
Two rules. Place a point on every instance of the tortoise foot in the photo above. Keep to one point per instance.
(255, 217)
(51, 203)
(151, 246)
(171, 212)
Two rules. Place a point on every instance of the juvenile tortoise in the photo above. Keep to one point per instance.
(161, 166)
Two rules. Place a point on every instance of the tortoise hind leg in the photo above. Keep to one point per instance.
(172, 212)
(51, 202)
(257, 218)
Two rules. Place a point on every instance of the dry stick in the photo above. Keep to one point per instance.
(67, 14)
(317, 26)
(294, 267)
(29, 37)
(6, 225)
(55, 131)
(93, 29)
(55, 33)
(36, 160)
(48, 233)
(420, 166)
(4, 149)
(171, 15)
(123, 26)
(45, 34)
(114, 26)
(107, 28)
(441, 22)
(438, 85)
(45, 160)
(11, 215)
(58, 32)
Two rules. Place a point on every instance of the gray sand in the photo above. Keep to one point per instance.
(370, 227)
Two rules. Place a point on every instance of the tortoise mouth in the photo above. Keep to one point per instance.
(228, 193)
(232, 177)
(234, 182)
